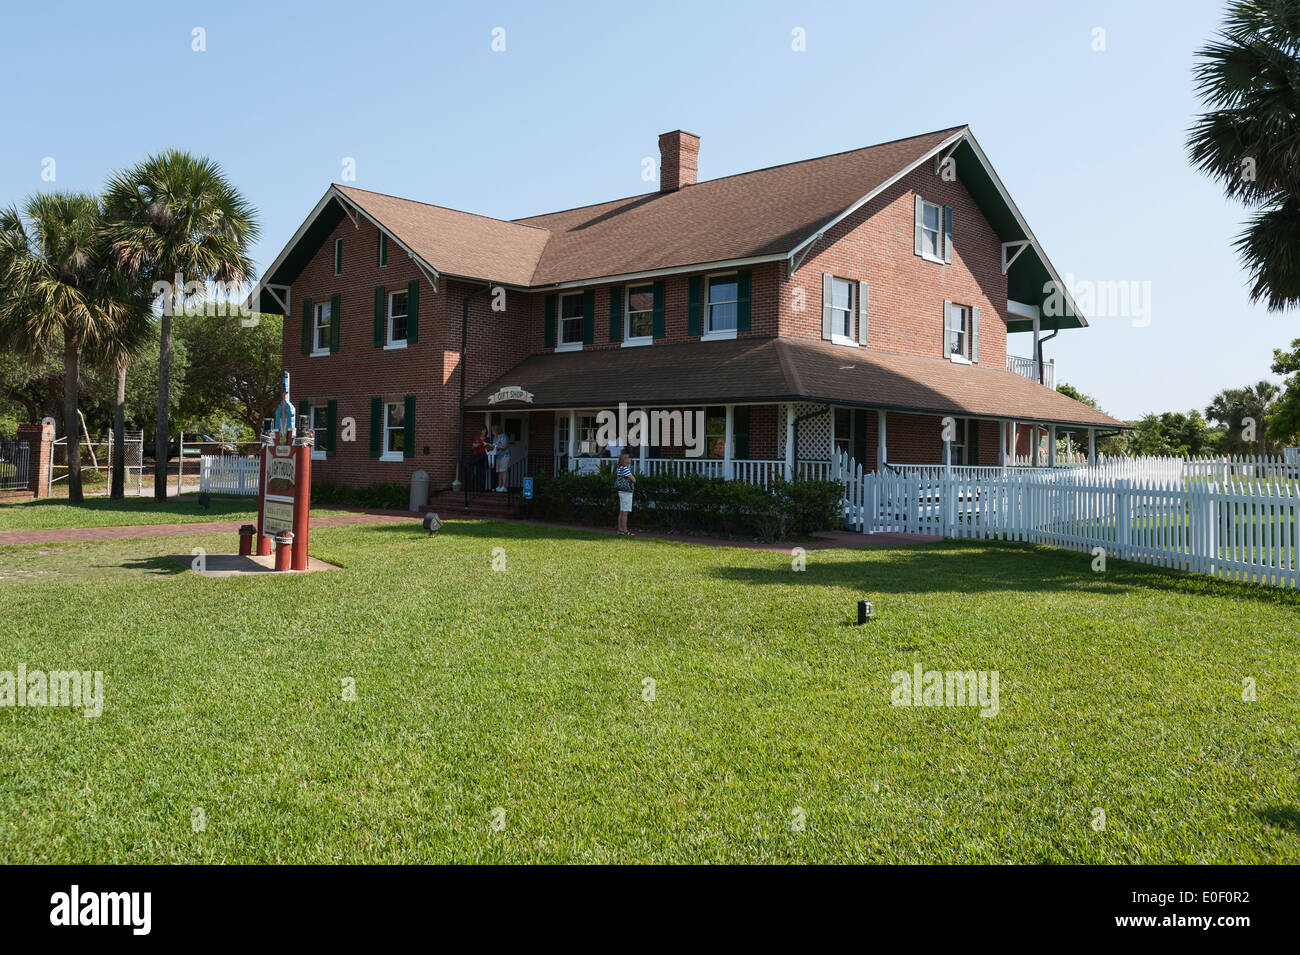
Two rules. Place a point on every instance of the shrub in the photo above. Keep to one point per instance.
(385, 496)
(693, 503)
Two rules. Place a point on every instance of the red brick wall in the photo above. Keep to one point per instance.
(907, 292)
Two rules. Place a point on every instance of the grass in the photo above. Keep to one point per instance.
(55, 514)
(521, 690)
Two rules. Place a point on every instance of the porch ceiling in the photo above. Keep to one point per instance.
(782, 369)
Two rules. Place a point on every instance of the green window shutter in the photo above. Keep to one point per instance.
(864, 296)
(742, 305)
(947, 328)
(376, 425)
(828, 313)
(916, 225)
(338, 256)
(616, 314)
(306, 326)
(548, 332)
(383, 249)
(331, 426)
(336, 320)
(975, 334)
(408, 426)
(381, 314)
(661, 295)
(589, 316)
(740, 432)
(947, 234)
(694, 305)
(413, 312)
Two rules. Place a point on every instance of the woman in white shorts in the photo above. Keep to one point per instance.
(624, 478)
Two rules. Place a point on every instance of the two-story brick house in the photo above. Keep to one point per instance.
(847, 303)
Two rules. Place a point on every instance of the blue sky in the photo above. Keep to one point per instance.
(1090, 144)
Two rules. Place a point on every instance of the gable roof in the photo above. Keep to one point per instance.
(784, 369)
(769, 214)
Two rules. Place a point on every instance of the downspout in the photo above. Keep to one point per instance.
(464, 374)
(1039, 356)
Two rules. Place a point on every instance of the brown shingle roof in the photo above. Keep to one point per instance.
(457, 243)
(765, 212)
(780, 369)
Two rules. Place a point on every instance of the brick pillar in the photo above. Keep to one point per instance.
(39, 438)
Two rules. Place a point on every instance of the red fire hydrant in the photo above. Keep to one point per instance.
(246, 535)
(284, 550)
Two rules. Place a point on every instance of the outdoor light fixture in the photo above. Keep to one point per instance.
(431, 523)
(865, 612)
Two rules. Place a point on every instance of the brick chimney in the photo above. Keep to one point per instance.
(679, 158)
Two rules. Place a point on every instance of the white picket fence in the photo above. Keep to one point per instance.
(228, 474)
(1243, 529)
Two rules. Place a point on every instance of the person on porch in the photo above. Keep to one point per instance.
(501, 446)
(480, 477)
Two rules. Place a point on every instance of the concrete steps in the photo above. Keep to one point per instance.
(487, 505)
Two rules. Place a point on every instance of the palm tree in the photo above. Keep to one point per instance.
(1249, 79)
(176, 218)
(56, 287)
(1232, 406)
(133, 324)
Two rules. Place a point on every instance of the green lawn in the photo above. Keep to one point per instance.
(522, 690)
(53, 513)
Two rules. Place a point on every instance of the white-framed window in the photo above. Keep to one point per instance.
(397, 319)
(318, 421)
(338, 256)
(959, 331)
(844, 295)
(639, 325)
(721, 305)
(931, 231)
(843, 431)
(383, 250)
(320, 332)
(715, 432)
(587, 431)
(570, 321)
(394, 431)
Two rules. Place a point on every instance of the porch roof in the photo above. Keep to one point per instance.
(760, 370)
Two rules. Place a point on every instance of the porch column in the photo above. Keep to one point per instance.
(573, 437)
(947, 450)
(1092, 447)
(643, 454)
(1051, 445)
(727, 441)
(1033, 443)
(1013, 429)
(1002, 444)
(789, 441)
(882, 452)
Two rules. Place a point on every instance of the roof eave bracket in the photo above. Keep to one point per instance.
(428, 271)
(943, 157)
(281, 293)
(799, 256)
(353, 214)
(1018, 246)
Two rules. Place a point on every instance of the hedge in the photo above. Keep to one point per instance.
(694, 503)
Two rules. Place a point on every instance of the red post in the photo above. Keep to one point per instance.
(283, 550)
(301, 500)
(246, 535)
(263, 540)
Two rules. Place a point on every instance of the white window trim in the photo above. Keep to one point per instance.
(316, 350)
(317, 452)
(938, 258)
(338, 256)
(963, 357)
(389, 341)
(381, 253)
(721, 335)
(837, 338)
(560, 343)
(629, 340)
(384, 453)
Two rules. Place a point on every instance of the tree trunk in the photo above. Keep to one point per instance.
(71, 420)
(118, 491)
(164, 381)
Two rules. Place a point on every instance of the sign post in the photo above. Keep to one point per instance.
(284, 493)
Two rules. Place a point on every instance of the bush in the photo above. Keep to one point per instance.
(385, 496)
(694, 504)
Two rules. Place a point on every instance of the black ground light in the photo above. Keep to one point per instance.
(865, 612)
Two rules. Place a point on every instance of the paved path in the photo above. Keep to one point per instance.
(65, 535)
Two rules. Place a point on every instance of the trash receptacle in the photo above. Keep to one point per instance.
(419, 491)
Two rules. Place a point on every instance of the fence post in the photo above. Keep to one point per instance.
(1123, 516)
(180, 464)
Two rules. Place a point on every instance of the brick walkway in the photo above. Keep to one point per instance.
(139, 531)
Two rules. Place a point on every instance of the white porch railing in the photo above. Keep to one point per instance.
(759, 471)
(1028, 368)
(226, 474)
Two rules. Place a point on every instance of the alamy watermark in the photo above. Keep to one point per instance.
(83, 689)
(659, 429)
(922, 687)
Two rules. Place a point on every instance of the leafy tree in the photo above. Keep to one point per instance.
(1110, 444)
(1284, 424)
(56, 287)
(176, 218)
(1172, 433)
(1232, 406)
(235, 367)
(1249, 140)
